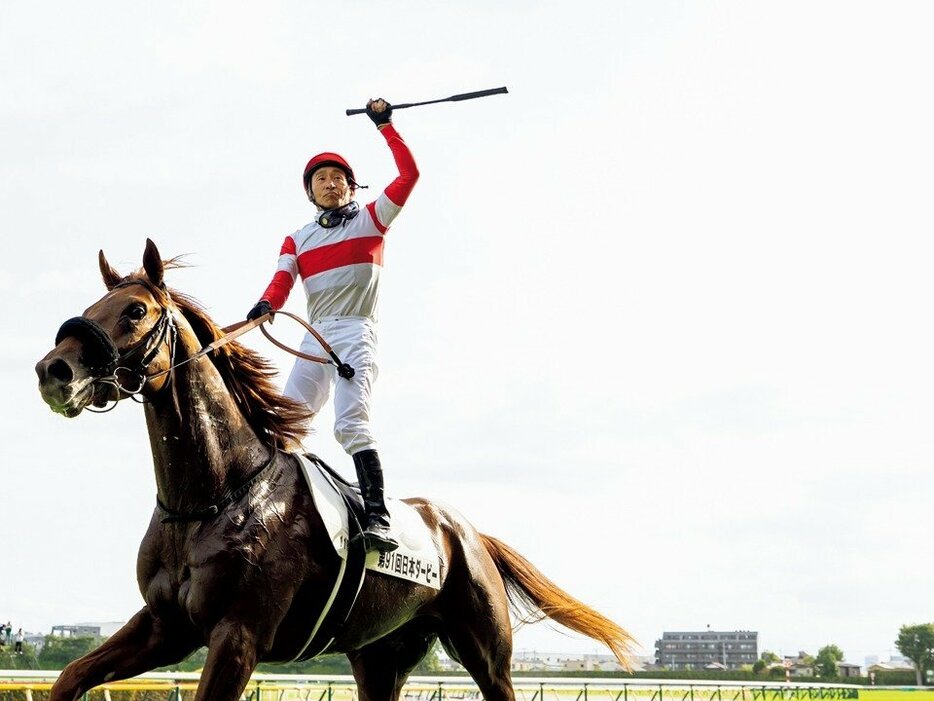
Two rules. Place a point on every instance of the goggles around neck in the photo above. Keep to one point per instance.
(331, 218)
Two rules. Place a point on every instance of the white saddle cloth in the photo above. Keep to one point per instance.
(416, 559)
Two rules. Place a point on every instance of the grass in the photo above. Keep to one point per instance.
(895, 695)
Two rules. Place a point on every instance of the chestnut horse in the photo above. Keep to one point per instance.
(248, 579)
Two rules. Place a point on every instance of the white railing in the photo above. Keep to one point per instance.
(300, 687)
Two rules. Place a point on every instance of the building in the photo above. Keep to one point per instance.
(800, 665)
(37, 640)
(848, 669)
(534, 661)
(557, 662)
(696, 649)
(592, 663)
(75, 631)
(890, 667)
(97, 630)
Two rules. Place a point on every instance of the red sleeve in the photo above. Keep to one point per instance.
(279, 288)
(399, 189)
(282, 281)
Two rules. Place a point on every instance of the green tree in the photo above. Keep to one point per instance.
(58, 652)
(325, 664)
(24, 660)
(825, 664)
(194, 662)
(431, 663)
(766, 659)
(917, 644)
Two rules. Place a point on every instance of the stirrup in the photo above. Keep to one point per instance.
(377, 539)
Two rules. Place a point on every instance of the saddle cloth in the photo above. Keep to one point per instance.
(341, 509)
(416, 560)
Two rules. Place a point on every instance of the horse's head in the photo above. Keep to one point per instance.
(120, 346)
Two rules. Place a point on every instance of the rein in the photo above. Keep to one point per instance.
(104, 357)
(236, 330)
(343, 369)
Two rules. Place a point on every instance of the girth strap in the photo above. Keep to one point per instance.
(349, 581)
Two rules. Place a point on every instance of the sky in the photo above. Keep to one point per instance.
(659, 318)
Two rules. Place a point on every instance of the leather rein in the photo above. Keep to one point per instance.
(241, 327)
(234, 331)
(111, 363)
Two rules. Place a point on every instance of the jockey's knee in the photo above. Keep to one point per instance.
(354, 436)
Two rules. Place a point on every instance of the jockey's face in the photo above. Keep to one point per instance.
(329, 188)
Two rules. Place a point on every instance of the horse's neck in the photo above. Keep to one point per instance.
(201, 444)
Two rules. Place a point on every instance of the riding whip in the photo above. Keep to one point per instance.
(453, 98)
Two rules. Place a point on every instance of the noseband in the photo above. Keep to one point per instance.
(106, 363)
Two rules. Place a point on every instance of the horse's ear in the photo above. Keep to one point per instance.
(152, 263)
(111, 276)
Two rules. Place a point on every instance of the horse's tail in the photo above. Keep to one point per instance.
(530, 589)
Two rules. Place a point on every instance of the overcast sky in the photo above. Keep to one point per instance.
(659, 318)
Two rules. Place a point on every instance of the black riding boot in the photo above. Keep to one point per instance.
(370, 475)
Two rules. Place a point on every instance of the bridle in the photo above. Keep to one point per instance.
(107, 363)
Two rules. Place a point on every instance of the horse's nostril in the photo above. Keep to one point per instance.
(61, 370)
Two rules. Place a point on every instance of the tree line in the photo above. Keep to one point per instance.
(824, 663)
(57, 652)
(916, 642)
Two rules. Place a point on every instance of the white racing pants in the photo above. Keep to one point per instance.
(353, 339)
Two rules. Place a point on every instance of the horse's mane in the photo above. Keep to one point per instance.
(277, 420)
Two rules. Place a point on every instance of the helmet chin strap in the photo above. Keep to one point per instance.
(353, 188)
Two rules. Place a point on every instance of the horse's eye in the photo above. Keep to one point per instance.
(136, 311)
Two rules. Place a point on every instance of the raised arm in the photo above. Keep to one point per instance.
(390, 202)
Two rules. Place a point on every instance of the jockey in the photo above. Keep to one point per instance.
(339, 256)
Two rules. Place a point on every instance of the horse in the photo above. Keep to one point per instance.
(247, 575)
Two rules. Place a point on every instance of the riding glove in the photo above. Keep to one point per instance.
(259, 309)
(379, 118)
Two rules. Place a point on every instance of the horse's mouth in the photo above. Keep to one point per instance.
(77, 400)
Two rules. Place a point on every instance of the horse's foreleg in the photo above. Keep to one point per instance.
(144, 643)
(232, 657)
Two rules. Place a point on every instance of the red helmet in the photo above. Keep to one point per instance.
(328, 159)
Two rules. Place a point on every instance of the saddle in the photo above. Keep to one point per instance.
(340, 506)
(353, 566)
(349, 491)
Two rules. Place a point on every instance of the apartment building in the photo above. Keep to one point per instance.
(699, 649)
